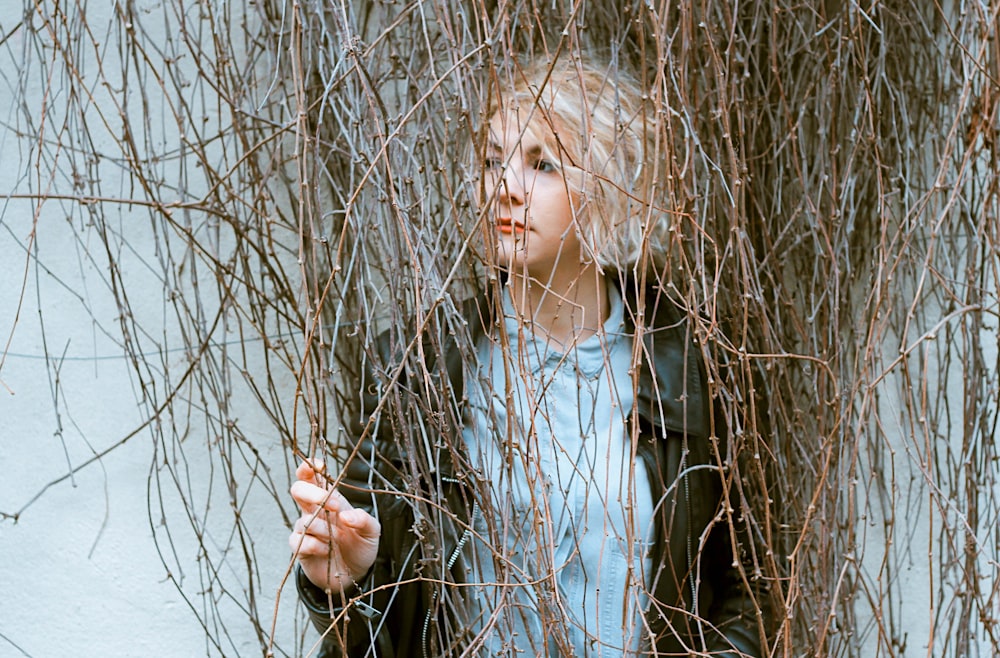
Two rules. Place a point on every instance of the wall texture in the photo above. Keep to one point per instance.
(204, 204)
(144, 509)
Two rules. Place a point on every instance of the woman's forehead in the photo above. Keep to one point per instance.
(517, 129)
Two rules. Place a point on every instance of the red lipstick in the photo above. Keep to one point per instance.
(508, 226)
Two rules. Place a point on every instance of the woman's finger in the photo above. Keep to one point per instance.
(361, 522)
(312, 471)
(308, 546)
(317, 525)
(311, 497)
(306, 473)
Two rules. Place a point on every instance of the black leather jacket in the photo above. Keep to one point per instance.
(411, 603)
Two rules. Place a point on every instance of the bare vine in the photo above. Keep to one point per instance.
(302, 172)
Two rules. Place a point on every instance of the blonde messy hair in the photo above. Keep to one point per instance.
(595, 121)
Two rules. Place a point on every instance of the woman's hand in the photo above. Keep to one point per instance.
(336, 544)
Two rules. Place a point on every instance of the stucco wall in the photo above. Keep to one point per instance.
(119, 534)
(131, 526)
(80, 570)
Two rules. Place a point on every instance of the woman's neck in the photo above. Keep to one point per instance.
(563, 310)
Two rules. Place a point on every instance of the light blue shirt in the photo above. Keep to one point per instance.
(560, 557)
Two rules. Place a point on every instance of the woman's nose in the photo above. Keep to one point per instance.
(511, 186)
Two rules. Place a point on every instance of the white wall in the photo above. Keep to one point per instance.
(79, 567)
(90, 564)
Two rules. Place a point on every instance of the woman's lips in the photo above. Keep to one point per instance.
(508, 226)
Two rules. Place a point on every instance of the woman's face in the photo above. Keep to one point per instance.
(533, 208)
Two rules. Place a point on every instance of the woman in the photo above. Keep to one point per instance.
(581, 511)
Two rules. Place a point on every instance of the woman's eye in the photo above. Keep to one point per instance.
(492, 163)
(546, 166)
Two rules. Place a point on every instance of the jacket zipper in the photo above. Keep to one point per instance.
(448, 565)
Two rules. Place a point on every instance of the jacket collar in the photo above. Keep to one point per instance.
(672, 393)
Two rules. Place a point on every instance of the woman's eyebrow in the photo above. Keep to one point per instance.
(534, 151)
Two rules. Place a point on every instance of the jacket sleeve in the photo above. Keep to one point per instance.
(351, 623)
(405, 489)
(348, 624)
(732, 605)
(740, 607)
(735, 613)
(676, 391)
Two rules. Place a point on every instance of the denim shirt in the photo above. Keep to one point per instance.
(567, 537)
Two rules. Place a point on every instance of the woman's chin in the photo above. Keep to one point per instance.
(506, 258)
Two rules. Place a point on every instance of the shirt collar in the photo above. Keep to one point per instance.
(589, 356)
